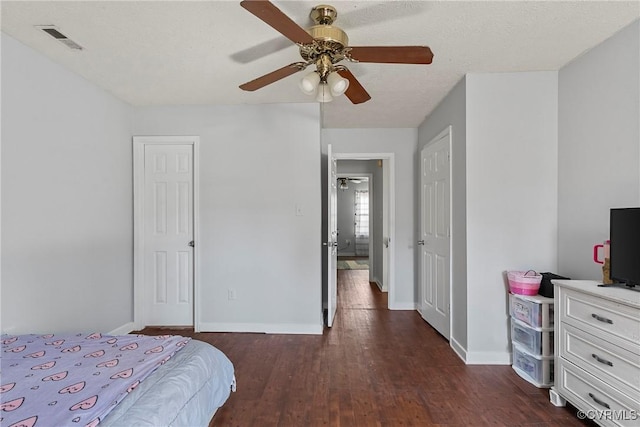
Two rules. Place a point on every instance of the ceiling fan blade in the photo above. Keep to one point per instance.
(273, 76)
(355, 92)
(271, 15)
(392, 54)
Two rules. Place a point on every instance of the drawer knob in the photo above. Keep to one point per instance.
(599, 402)
(602, 319)
(601, 360)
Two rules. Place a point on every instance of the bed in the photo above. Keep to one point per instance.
(126, 380)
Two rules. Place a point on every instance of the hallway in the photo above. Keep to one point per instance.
(355, 291)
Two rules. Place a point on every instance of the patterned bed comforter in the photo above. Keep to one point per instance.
(74, 380)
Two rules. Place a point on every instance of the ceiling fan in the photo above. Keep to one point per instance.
(343, 183)
(354, 180)
(325, 45)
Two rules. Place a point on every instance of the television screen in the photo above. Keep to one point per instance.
(625, 246)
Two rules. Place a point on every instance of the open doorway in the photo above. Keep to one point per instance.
(373, 175)
(379, 168)
(354, 203)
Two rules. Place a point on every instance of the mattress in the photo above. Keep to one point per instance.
(127, 380)
(185, 391)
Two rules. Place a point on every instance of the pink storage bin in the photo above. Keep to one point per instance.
(524, 282)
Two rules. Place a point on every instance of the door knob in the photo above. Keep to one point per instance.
(420, 242)
(192, 243)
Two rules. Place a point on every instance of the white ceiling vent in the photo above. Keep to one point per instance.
(53, 31)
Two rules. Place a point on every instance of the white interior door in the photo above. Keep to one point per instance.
(386, 227)
(435, 233)
(168, 234)
(332, 238)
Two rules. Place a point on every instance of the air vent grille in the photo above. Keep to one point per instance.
(56, 34)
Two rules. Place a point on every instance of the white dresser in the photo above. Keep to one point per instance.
(597, 359)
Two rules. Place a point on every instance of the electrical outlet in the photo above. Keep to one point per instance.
(232, 294)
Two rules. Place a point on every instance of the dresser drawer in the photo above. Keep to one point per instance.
(611, 363)
(617, 323)
(590, 394)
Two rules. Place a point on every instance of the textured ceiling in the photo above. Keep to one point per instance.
(198, 52)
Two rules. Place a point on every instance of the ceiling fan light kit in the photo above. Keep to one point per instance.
(324, 45)
(309, 83)
(337, 84)
(324, 93)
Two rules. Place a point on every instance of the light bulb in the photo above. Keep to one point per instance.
(324, 94)
(337, 84)
(309, 83)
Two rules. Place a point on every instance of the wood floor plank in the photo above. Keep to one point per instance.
(375, 367)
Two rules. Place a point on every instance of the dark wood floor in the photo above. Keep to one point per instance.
(375, 367)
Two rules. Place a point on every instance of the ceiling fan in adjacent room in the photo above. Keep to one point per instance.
(343, 183)
(325, 45)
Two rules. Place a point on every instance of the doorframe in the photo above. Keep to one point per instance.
(139, 144)
(388, 189)
(369, 177)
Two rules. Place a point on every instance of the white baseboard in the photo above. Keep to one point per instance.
(458, 349)
(266, 328)
(124, 329)
(488, 358)
(480, 357)
(378, 283)
(402, 306)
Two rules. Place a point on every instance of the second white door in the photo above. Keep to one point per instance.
(434, 241)
(168, 234)
(332, 238)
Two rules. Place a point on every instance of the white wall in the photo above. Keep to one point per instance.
(67, 205)
(402, 143)
(599, 147)
(511, 199)
(504, 198)
(256, 164)
(452, 111)
(569, 142)
(66, 199)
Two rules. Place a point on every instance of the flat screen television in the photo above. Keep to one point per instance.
(624, 256)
